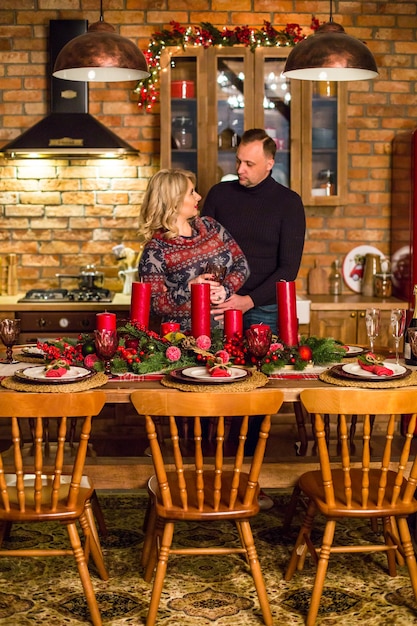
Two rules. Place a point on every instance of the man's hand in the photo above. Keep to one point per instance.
(242, 303)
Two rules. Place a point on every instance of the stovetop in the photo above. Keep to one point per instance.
(68, 295)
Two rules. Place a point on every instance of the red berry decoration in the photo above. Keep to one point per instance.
(305, 352)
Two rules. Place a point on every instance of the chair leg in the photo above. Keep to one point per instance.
(255, 567)
(84, 574)
(300, 547)
(92, 543)
(321, 572)
(154, 543)
(149, 528)
(291, 508)
(161, 569)
(409, 554)
(98, 514)
(389, 541)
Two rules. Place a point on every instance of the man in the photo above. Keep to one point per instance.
(268, 222)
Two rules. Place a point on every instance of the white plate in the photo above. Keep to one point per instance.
(201, 373)
(38, 374)
(355, 368)
(353, 266)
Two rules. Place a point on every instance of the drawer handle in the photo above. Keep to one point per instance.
(353, 314)
(362, 314)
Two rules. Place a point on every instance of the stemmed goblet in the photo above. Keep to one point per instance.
(107, 342)
(398, 317)
(372, 320)
(218, 271)
(259, 338)
(9, 333)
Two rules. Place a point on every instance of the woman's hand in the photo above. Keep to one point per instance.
(204, 279)
(217, 291)
(217, 295)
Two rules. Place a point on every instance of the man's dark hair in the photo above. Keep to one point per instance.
(258, 134)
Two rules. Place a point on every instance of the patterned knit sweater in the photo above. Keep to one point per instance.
(169, 264)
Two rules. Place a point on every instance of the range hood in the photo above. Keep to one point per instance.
(69, 131)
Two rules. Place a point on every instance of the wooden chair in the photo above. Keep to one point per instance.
(206, 490)
(36, 488)
(368, 489)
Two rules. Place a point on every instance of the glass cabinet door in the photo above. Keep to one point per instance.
(324, 143)
(275, 112)
(183, 111)
(230, 77)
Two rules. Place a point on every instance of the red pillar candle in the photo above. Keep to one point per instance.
(106, 321)
(169, 327)
(287, 312)
(140, 303)
(200, 310)
(233, 323)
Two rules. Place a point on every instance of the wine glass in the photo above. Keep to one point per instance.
(218, 271)
(372, 320)
(107, 342)
(397, 329)
(9, 333)
(259, 340)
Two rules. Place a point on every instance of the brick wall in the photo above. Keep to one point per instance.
(59, 215)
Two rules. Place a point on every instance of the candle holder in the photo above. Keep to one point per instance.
(107, 342)
(259, 340)
(9, 333)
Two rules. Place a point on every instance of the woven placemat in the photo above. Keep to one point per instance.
(252, 382)
(23, 358)
(98, 380)
(408, 381)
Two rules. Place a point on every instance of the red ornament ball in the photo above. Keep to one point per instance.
(305, 352)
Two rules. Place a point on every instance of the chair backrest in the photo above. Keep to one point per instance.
(387, 405)
(207, 487)
(37, 482)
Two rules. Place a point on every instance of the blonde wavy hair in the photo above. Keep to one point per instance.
(165, 194)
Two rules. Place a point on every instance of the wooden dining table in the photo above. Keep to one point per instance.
(132, 472)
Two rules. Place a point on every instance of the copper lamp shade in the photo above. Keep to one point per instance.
(101, 55)
(331, 55)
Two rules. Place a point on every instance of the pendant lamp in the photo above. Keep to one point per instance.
(331, 55)
(100, 55)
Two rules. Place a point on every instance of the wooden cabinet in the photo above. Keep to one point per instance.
(343, 318)
(209, 97)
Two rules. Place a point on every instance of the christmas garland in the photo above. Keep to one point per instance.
(207, 35)
(143, 351)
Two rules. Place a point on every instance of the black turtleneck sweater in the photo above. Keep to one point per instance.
(268, 223)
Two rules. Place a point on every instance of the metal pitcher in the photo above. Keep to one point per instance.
(371, 268)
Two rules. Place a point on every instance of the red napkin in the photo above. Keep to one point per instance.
(56, 373)
(379, 370)
(219, 371)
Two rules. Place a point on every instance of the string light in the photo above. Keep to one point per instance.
(207, 35)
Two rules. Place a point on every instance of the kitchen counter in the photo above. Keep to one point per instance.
(10, 303)
(354, 302)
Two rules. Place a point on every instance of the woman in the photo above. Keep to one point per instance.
(180, 244)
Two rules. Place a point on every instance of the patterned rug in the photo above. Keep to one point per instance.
(210, 591)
